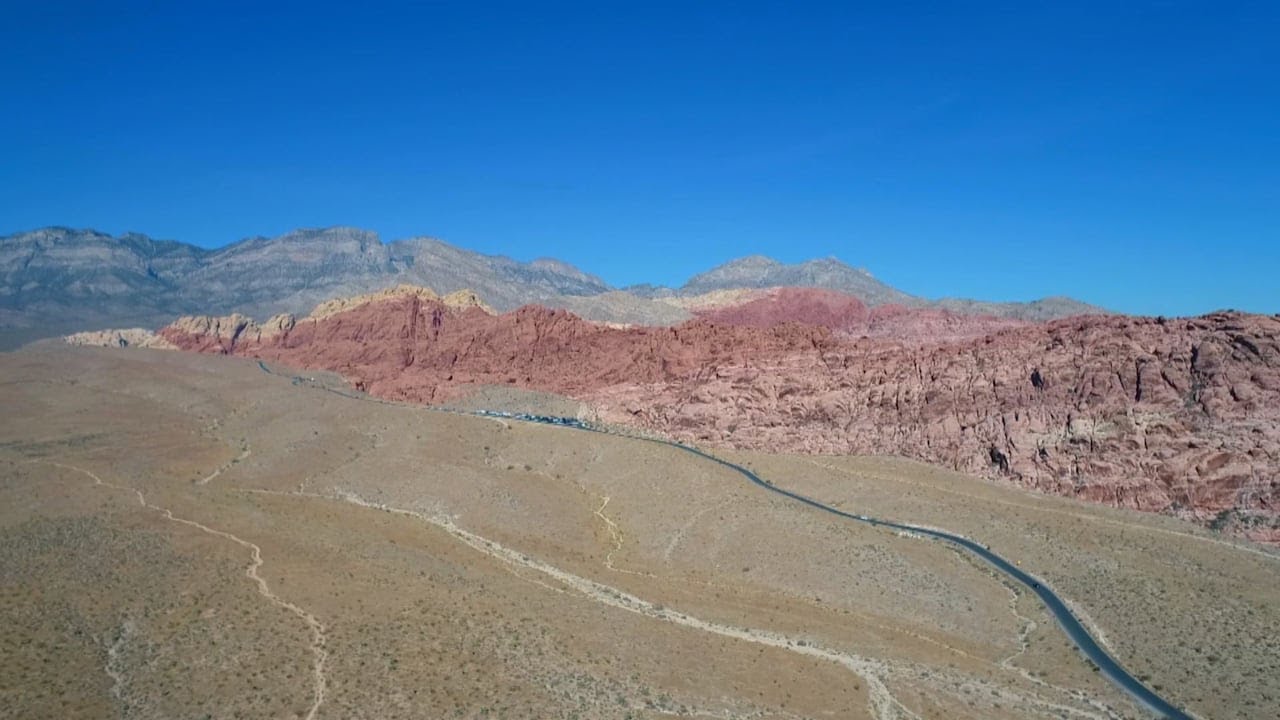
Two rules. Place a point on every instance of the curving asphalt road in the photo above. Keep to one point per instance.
(1074, 629)
(1106, 664)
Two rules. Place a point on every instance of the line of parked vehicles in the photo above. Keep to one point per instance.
(530, 417)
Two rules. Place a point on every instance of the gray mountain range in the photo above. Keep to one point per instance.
(758, 271)
(58, 280)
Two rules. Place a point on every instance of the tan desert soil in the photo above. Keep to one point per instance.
(187, 535)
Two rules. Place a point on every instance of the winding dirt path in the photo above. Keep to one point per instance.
(678, 536)
(615, 539)
(319, 653)
(883, 704)
(225, 466)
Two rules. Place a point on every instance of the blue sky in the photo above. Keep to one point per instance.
(1124, 153)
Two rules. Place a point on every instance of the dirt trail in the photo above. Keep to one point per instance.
(678, 536)
(226, 465)
(318, 651)
(1026, 627)
(113, 660)
(883, 705)
(615, 538)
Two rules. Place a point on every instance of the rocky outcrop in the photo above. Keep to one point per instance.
(207, 333)
(924, 326)
(1042, 310)
(457, 299)
(620, 309)
(715, 299)
(810, 306)
(130, 337)
(414, 347)
(1179, 416)
(849, 315)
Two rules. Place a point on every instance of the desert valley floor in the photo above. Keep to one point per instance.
(186, 536)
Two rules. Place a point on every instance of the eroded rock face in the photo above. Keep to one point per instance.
(926, 326)
(1181, 416)
(125, 338)
(1178, 416)
(205, 333)
(460, 299)
(414, 347)
(811, 306)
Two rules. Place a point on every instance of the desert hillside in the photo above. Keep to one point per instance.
(185, 535)
(1180, 416)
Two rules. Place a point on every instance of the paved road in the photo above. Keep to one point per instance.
(1074, 629)
(1106, 664)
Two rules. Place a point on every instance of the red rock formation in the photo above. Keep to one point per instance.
(1179, 416)
(847, 314)
(810, 306)
(416, 348)
(924, 326)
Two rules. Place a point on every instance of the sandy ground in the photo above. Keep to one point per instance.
(186, 536)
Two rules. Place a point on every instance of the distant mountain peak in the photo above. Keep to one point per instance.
(60, 232)
(831, 273)
(752, 261)
(60, 279)
(336, 232)
(551, 263)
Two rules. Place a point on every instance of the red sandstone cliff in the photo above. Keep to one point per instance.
(1179, 416)
(812, 306)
